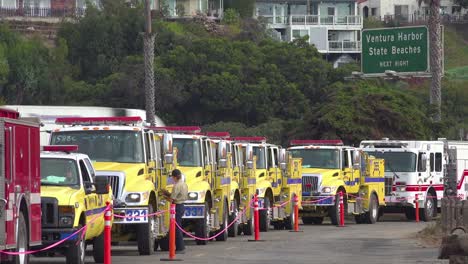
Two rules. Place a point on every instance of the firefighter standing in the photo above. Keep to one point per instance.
(178, 196)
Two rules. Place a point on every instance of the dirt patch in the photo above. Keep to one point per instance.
(431, 235)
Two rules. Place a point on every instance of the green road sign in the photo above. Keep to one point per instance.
(403, 50)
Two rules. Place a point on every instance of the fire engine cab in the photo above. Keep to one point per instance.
(20, 198)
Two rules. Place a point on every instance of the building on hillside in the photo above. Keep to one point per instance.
(409, 11)
(333, 27)
(189, 8)
(44, 8)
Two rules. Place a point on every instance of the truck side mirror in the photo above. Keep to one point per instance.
(89, 187)
(356, 159)
(222, 154)
(168, 158)
(102, 185)
(249, 164)
(167, 144)
(249, 153)
(423, 162)
(222, 163)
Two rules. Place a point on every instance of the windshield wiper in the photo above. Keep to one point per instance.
(391, 170)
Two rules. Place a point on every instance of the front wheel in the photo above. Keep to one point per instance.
(146, 234)
(234, 228)
(76, 252)
(373, 213)
(224, 236)
(290, 221)
(203, 227)
(98, 248)
(22, 241)
(429, 210)
(265, 216)
(334, 211)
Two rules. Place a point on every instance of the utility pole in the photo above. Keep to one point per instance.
(148, 50)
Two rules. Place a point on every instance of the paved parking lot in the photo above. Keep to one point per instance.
(389, 242)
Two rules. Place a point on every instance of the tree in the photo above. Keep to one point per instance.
(435, 57)
(462, 3)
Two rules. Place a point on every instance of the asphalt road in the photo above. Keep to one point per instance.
(391, 241)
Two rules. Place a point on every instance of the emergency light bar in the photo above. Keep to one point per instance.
(179, 129)
(322, 142)
(4, 112)
(61, 148)
(223, 135)
(251, 139)
(121, 120)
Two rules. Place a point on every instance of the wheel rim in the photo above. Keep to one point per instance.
(82, 250)
(207, 223)
(374, 209)
(429, 206)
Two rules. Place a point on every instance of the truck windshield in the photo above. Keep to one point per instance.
(61, 172)
(259, 152)
(123, 146)
(318, 158)
(188, 152)
(397, 161)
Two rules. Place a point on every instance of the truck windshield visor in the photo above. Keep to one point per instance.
(188, 152)
(397, 161)
(318, 158)
(122, 146)
(60, 172)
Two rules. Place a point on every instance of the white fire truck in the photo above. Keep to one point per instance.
(20, 198)
(419, 167)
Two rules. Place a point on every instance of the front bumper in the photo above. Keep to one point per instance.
(318, 200)
(53, 235)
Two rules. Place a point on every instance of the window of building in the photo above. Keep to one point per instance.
(331, 11)
(299, 33)
(298, 9)
(374, 11)
(264, 9)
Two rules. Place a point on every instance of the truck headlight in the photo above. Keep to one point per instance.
(133, 198)
(66, 216)
(193, 196)
(327, 189)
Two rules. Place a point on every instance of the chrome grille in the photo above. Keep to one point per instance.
(309, 183)
(114, 184)
(388, 186)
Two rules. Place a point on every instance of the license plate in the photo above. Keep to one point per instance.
(132, 216)
(193, 211)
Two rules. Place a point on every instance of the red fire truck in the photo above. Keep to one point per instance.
(20, 197)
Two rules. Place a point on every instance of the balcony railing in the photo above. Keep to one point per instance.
(344, 46)
(313, 20)
(325, 20)
(41, 12)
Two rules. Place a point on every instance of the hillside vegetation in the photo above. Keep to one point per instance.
(233, 77)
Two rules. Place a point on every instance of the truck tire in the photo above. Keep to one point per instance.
(145, 234)
(234, 228)
(289, 222)
(98, 248)
(224, 236)
(373, 213)
(164, 243)
(265, 215)
(429, 210)
(76, 252)
(334, 211)
(22, 241)
(203, 228)
(410, 213)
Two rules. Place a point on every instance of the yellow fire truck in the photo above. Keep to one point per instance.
(329, 168)
(228, 170)
(276, 179)
(207, 209)
(123, 151)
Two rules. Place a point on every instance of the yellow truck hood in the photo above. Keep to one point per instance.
(130, 169)
(190, 173)
(62, 193)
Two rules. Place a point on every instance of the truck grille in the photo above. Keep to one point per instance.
(309, 183)
(388, 186)
(114, 183)
(49, 208)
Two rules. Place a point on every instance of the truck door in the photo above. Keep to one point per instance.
(348, 176)
(91, 198)
(207, 169)
(435, 160)
(149, 155)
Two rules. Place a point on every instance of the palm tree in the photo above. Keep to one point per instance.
(148, 50)
(435, 56)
